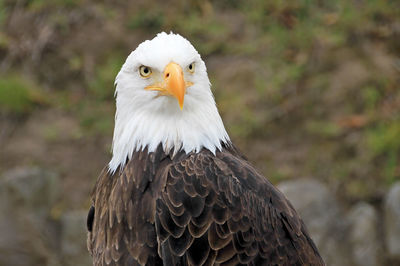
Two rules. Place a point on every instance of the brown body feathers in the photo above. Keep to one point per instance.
(194, 209)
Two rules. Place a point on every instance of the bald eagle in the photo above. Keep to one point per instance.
(177, 191)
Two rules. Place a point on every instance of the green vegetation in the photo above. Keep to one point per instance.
(151, 20)
(102, 85)
(384, 141)
(18, 95)
(41, 4)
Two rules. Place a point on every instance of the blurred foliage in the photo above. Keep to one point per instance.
(153, 19)
(384, 141)
(305, 87)
(18, 95)
(3, 14)
(104, 77)
(40, 4)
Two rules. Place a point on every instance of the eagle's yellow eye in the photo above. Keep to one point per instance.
(191, 68)
(145, 71)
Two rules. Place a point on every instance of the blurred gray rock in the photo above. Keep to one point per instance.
(31, 189)
(324, 220)
(73, 239)
(28, 234)
(392, 221)
(364, 235)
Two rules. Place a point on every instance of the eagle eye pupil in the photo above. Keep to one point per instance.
(191, 68)
(145, 71)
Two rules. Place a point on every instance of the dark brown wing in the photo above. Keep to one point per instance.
(219, 210)
(122, 219)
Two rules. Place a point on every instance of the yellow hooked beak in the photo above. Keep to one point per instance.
(173, 84)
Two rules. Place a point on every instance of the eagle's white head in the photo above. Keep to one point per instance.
(163, 96)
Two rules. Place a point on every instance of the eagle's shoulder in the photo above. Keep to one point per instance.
(229, 172)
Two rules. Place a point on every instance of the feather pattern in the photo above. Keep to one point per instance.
(194, 209)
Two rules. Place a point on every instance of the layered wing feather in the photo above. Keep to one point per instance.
(217, 210)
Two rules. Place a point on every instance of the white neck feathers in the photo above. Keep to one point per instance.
(197, 126)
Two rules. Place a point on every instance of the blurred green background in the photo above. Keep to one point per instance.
(305, 88)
